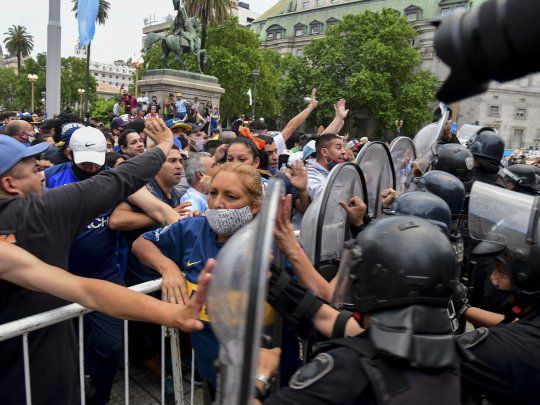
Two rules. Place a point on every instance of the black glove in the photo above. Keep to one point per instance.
(459, 298)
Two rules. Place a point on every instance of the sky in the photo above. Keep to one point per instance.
(119, 38)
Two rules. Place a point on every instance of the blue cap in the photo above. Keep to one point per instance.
(176, 123)
(13, 152)
(308, 150)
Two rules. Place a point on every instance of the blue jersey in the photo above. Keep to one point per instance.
(137, 272)
(94, 252)
(190, 243)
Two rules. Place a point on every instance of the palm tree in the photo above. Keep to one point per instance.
(19, 42)
(208, 11)
(102, 15)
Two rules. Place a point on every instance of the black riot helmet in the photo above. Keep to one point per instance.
(507, 224)
(445, 186)
(486, 144)
(526, 175)
(455, 159)
(427, 206)
(378, 272)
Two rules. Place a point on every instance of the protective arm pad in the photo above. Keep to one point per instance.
(296, 304)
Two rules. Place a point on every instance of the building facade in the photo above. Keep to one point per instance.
(118, 73)
(290, 25)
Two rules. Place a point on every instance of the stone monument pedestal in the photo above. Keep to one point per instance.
(161, 82)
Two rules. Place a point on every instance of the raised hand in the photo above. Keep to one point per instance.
(387, 197)
(356, 210)
(340, 109)
(313, 103)
(298, 176)
(157, 131)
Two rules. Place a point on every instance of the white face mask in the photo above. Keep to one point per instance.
(225, 222)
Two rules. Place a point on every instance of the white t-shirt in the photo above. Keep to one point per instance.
(280, 144)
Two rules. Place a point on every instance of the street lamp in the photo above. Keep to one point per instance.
(81, 97)
(256, 75)
(399, 124)
(33, 79)
(137, 65)
(44, 102)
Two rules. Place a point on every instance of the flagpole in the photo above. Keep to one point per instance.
(54, 40)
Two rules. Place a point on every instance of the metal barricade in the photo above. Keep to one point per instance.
(22, 327)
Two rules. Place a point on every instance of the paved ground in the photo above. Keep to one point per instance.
(145, 389)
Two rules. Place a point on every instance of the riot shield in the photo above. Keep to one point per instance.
(376, 165)
(502, 216)
(236, 300)
(466, 132)
(403, 155)
(325, 226)
(427, 137)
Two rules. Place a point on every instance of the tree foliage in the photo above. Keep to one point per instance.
(19, 43)
(215, 11)
(101, 108)
(366, 59)
(17, 94)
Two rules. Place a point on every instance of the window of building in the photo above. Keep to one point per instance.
(320, 2)
(521, 113)
(305, 4)
(495, 97)
(412, 41)
(522, 100)
(315, 28)
(298, 32)
(446, 10)
(270, 36)
(279, 34)
(517, 138)
(494, 111)
(275, 32)
(412, 15)
(332, 21)
(447, 6)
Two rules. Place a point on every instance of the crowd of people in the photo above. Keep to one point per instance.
(158, 193)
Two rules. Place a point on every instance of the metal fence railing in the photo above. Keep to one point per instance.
(23, 327)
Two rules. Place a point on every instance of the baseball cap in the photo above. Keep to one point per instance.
(174, 123)
(67, 131)
(118, 122)
(13, 151)
(88, 145)
(309, 149)
(196, 128)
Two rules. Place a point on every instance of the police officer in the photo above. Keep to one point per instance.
(455, 159)
(487, 148)
(521, 178)
(408, 352)
(506, 348)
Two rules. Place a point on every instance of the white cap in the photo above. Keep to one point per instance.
(364, 139)
(88, 145)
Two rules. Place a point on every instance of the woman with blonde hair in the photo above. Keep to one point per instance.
(179, 252)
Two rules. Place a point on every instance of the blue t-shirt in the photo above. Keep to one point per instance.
(137, 272)
(190, 243)
(94, 252)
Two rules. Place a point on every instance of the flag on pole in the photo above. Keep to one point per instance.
(87, 11)
(250, 97)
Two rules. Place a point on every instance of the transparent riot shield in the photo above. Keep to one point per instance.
(376, 165)
(325, 226)
(466, 132)
(426, 139)
(403, 155)
(502, 216)
(236, 300)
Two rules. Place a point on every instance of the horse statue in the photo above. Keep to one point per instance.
(186, 41)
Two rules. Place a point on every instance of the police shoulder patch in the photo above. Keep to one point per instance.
(473, 338)
(316, 369)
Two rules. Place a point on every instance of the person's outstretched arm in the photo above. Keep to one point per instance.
(20, 267)
(298, 120)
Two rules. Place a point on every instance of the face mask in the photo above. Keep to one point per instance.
(198, 145)
(225, 222)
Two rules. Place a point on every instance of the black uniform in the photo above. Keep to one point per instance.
(46, 225)
(343, 376)
(507, 364)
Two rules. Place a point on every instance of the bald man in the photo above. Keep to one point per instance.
(21, 131)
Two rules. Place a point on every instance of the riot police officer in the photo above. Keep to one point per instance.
(455, 159)
(521, 178)
(408, 352)
(506, 348)
(487, 148)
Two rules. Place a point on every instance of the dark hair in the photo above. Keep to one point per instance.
(269, 140)
(258, 125)
(108, 137)
(122, 138)
(212, 145)
(63, 118)
(293, 140)
(252, 148)
(7, 114)
(111, 158)
(324, 140)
